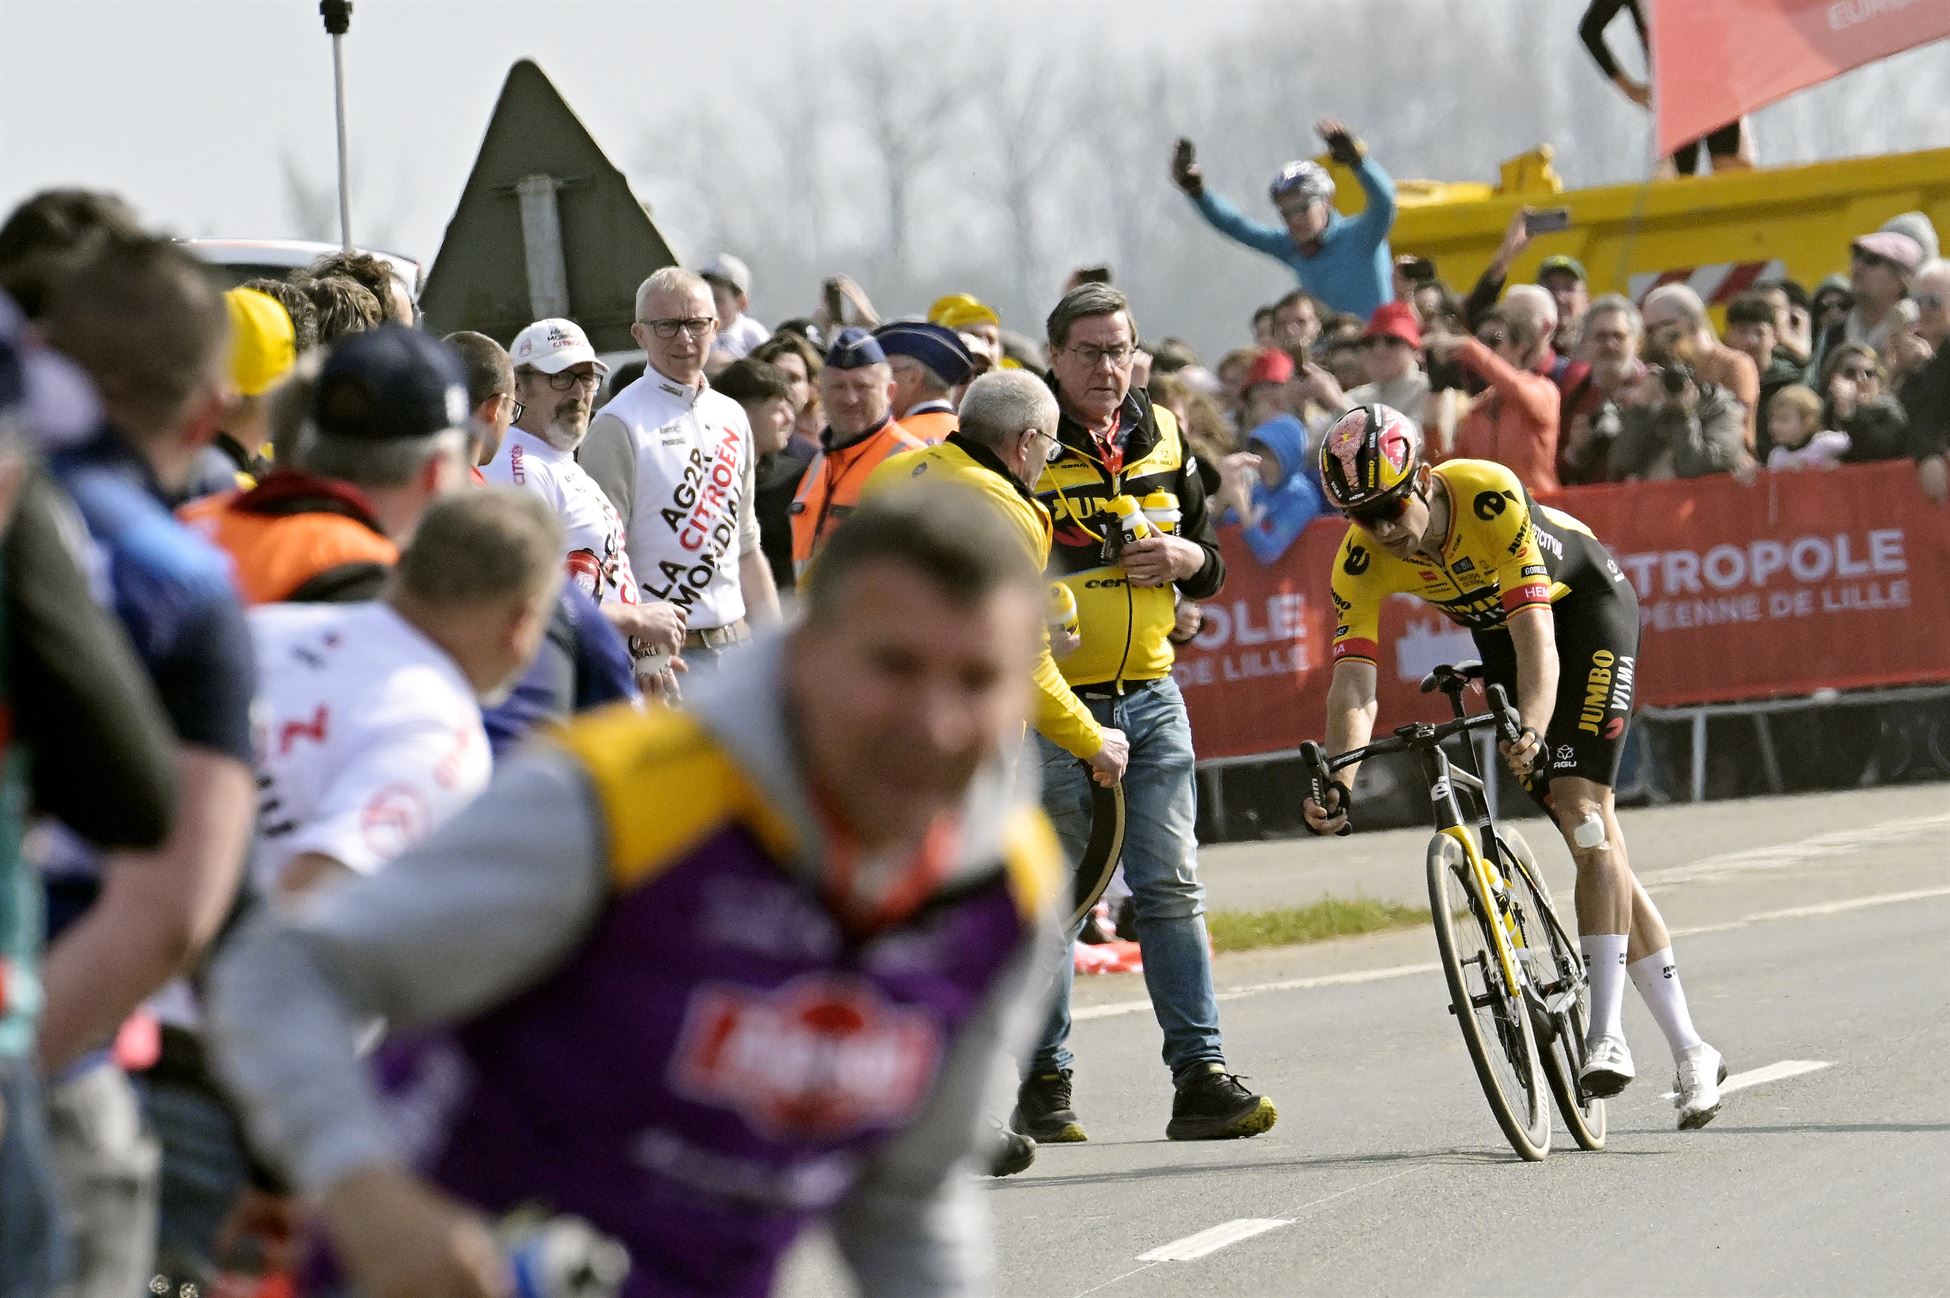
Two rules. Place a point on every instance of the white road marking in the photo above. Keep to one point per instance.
(1777, 856)
(1761, 1076)
(1115, 1009)
(1849, 903)
(1196, 1246)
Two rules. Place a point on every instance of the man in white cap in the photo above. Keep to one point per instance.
(731, 285)
(676, 459)
(556, 378)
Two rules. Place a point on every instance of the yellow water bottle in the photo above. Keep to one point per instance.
(1128, 518)
(1062, 609)
(1161, 511)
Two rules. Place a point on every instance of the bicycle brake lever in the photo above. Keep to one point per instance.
(1506, 719)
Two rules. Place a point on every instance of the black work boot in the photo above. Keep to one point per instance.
(1212, 1105)
(1043, 1111)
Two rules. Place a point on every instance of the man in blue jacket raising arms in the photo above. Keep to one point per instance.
(1344, 261)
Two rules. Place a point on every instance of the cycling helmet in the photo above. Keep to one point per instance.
(1304, 177)
(1371, 452)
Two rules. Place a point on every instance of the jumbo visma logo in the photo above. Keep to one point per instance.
(1357, 563)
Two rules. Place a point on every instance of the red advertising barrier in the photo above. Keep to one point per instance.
(1801, 582)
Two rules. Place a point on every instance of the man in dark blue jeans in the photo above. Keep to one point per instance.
(1119, 451)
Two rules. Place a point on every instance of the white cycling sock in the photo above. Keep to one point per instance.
(1604, 964)
(1657, 979)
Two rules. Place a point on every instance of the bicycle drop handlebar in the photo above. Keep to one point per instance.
(1409, 738)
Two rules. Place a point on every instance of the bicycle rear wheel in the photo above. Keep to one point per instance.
(1560, 994)
(1493, 1016)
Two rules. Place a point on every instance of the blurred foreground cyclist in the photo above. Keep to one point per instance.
(702, 979)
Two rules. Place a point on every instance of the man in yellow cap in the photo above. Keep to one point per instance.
(969, 315)
(263, 348)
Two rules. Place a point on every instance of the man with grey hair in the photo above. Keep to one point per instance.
(1007, 436)
(1678, 331)
(676, 459)
(1534, 303)
(1590, 423)
(1117, 449)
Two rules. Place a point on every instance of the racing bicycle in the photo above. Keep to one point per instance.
(1516, 982)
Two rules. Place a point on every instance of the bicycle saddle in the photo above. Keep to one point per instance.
(1446, 677)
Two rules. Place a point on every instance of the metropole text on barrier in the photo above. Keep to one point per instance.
(1801, 582)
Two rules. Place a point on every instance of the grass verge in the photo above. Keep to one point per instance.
(1243, 930)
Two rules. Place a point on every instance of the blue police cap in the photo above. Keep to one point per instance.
(854, 349)
(938, 348)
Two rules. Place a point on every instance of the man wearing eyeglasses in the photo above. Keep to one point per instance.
(1115, 443)
(556, 378)
(1881, 265)
(676, 460)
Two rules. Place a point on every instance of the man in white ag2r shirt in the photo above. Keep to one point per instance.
(369, 723)
(676, 460)
(556, 378)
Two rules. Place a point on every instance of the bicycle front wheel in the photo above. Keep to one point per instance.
(1493, 1016)
(1560, 994)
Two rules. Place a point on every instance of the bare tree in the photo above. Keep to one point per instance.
(1021, 113)
(907, 119)
(311, 207)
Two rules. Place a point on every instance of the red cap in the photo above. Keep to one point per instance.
(1270, 366)
(1395, 320)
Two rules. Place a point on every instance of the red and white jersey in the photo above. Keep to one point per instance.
(598, 558)
(690, 491)
(368, 736)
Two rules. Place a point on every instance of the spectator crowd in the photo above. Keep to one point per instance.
(288, 581)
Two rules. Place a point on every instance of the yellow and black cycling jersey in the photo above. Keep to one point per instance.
(1504, 552)
(1125, 628)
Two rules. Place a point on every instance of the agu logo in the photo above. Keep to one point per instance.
(822, 1057)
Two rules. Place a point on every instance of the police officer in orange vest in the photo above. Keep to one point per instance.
(856, 389)
(929, 362)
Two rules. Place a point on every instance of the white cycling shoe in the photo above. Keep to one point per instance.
(1697, 1092)
(1607, 1068)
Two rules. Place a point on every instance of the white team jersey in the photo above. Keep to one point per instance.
(691, 515)
(368, 736)
(598, 559)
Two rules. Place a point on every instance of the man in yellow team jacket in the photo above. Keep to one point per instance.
(1007, 435)
(1116, 446)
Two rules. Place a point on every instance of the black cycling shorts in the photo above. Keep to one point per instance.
(1597, 633)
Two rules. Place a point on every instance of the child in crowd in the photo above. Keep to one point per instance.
(1800, 442)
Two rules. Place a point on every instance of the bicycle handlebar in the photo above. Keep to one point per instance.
(1420, 734)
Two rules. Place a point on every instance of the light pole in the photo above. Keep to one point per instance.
(338, 20)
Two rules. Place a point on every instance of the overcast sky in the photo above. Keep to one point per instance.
(189, 106)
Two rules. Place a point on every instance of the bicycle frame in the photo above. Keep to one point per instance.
(1425, 739)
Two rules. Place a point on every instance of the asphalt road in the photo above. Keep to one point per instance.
(1810, 931)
